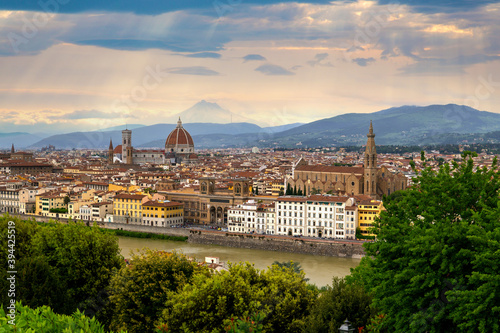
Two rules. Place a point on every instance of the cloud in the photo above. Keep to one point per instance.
(273, 70)
(318, 60)
(212, 55)
(440, 6)
(91, 114)
(452, 66)
(137, 7)
(193, 70)
(363, 61)
(254, 57)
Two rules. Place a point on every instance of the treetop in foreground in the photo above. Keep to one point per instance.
(435, 266)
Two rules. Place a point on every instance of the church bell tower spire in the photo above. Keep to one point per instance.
(371, 164)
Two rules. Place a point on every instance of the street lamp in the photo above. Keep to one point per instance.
(346, 327)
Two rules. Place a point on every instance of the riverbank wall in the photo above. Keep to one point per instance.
(281, 244)
(344, 249)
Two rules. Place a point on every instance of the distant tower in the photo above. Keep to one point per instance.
(12, 151)
(126, 143)
(110, 152)
(129, 155)
(371, 164)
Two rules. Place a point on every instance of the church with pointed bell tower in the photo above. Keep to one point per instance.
(369, 179)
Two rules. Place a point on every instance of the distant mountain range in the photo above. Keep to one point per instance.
(406, 125)
(206, 112)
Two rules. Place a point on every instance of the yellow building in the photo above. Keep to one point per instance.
(162, 213)
(278, 188)
(127, 208)
(129, 188)
(368, 210)
(47, 201)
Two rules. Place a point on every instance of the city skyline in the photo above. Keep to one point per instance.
(68, 66)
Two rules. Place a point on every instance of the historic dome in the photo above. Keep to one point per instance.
(179, 141)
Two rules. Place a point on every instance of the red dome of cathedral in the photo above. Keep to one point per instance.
(179, 141)
(179, 136)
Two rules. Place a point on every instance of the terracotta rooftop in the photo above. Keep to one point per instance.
(330, 168)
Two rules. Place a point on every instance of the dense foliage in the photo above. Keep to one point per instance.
(139, 291)
(210, 305)
(62, 266)
(338, 302)
(436, 262)
(43, 319)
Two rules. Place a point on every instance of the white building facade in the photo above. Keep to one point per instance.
(315, 216)
(252, 217)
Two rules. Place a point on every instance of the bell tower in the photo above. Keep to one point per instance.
(370, 165)
(126, 143)
(110, 152)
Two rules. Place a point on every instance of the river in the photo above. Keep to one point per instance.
(318, 269)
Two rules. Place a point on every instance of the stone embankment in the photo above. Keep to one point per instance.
(278, 243)
(333, 248)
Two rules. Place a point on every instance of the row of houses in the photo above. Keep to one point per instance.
(321, 216)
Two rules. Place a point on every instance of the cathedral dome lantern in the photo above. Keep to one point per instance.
(179, 141)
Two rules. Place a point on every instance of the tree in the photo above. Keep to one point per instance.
(435, 264)
(43, 319)
(338, 302)
(210, 305)
(24, 232)
(315, 191)
(289, 190)
(138, 292)
(82, 259)
(295, 190)
(67, 200)
(295, 266)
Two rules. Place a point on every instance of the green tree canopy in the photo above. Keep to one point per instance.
(62, 266)
(436, 262)
(338, 302)
(208, 305)
(43, 319)
(295, 266)
(139, 291)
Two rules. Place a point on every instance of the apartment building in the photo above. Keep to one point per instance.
(369, 210)
(162, 213)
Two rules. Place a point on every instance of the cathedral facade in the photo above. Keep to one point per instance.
(369, 180)
(179, 148)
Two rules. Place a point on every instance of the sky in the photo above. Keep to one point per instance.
(74, 65)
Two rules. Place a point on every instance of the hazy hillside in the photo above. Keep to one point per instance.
(402, 125)
(140, 136)
(20, 139)
(410, 125)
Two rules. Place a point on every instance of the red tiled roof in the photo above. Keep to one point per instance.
(327, 198)
(330, 168)
(179, 136)
(162, 204)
